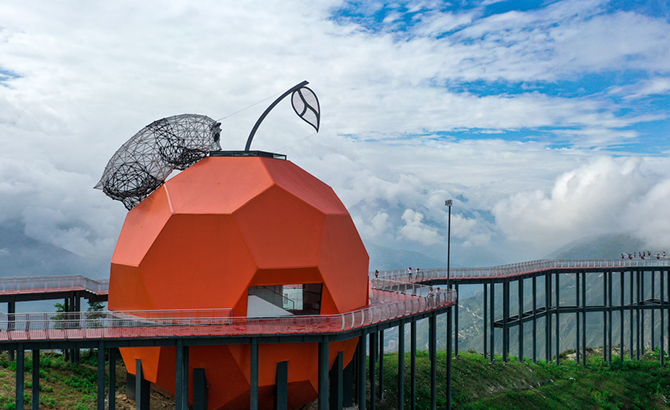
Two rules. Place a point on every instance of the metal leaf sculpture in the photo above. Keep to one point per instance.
(144, 162)
(306, 105)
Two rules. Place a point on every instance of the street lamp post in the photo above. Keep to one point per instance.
(448, 203)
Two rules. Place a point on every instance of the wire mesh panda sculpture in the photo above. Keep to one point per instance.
(144, 162)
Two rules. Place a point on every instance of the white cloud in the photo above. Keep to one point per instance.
(605, 196)
(416, 230)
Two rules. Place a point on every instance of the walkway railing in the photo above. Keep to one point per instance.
(35, 284)
(516, 269)
(384, 306)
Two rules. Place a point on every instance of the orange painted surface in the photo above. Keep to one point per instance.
(217, 228)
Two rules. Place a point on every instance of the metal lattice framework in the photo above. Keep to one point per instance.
(144, 162)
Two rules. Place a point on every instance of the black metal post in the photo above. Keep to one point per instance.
(558, 321)
(584, 317)
(632, 322)
(640, 276)
(449, 359)
(373, 369)
(662, 327)
(36, 380)
(101, 375)
(547, 317)
(520, 302)
(653, 317)
(142, 388)
(455, 332)
(401, 366)
(112, 380)
(605, 324)
(348, 383)
(253, 375)
(360, 378)
(642, 311)
(484, 341)
(336, 383)
(324, 364)
(609, 317)
(577, 304)
(534, 317)
(381, 364)
(181, 388)
(412, 359)
(492, 321)
(622, 316)
(20, 375)
(432, 351)
(200, 389)
(505, 320)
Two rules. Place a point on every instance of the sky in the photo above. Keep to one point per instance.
(545, 122)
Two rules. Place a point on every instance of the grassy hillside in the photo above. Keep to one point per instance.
(66, 386)
(478, 384)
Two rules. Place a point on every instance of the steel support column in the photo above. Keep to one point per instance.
(484, 336)
(520, 302)
(493, 319)
(373, 369)
(324, 364)
(632, 322)
(336, 383)
(412, 359)
(455, 333)
(181, 386)
(662, 327)
(622, 316)
(558, 321)
(101, 375)
(20, 375)
(642, 311)
(432, 352)
(142, 388)
(584, 317)
(112, 380)
(36, 380)
(577, 304)
(348, 383)
(253, 375)
(534, 318)
(360, 377)
(401, 365)
(605, 322)
(609, 316)
(381, 364)
(653, 317)
(505, 320)
(547, 317)
(200, 388)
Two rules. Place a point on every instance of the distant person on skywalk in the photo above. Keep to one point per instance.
(438, 296)
(409, 273)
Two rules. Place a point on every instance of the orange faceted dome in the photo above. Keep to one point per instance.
(235, 232)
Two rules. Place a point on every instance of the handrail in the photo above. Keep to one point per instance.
(517, 269)
(214, 322)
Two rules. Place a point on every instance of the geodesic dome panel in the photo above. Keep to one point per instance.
(144, 162)
(223, 226)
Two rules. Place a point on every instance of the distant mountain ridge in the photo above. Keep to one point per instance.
(24, 256)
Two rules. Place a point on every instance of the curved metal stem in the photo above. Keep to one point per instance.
(267, 111)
